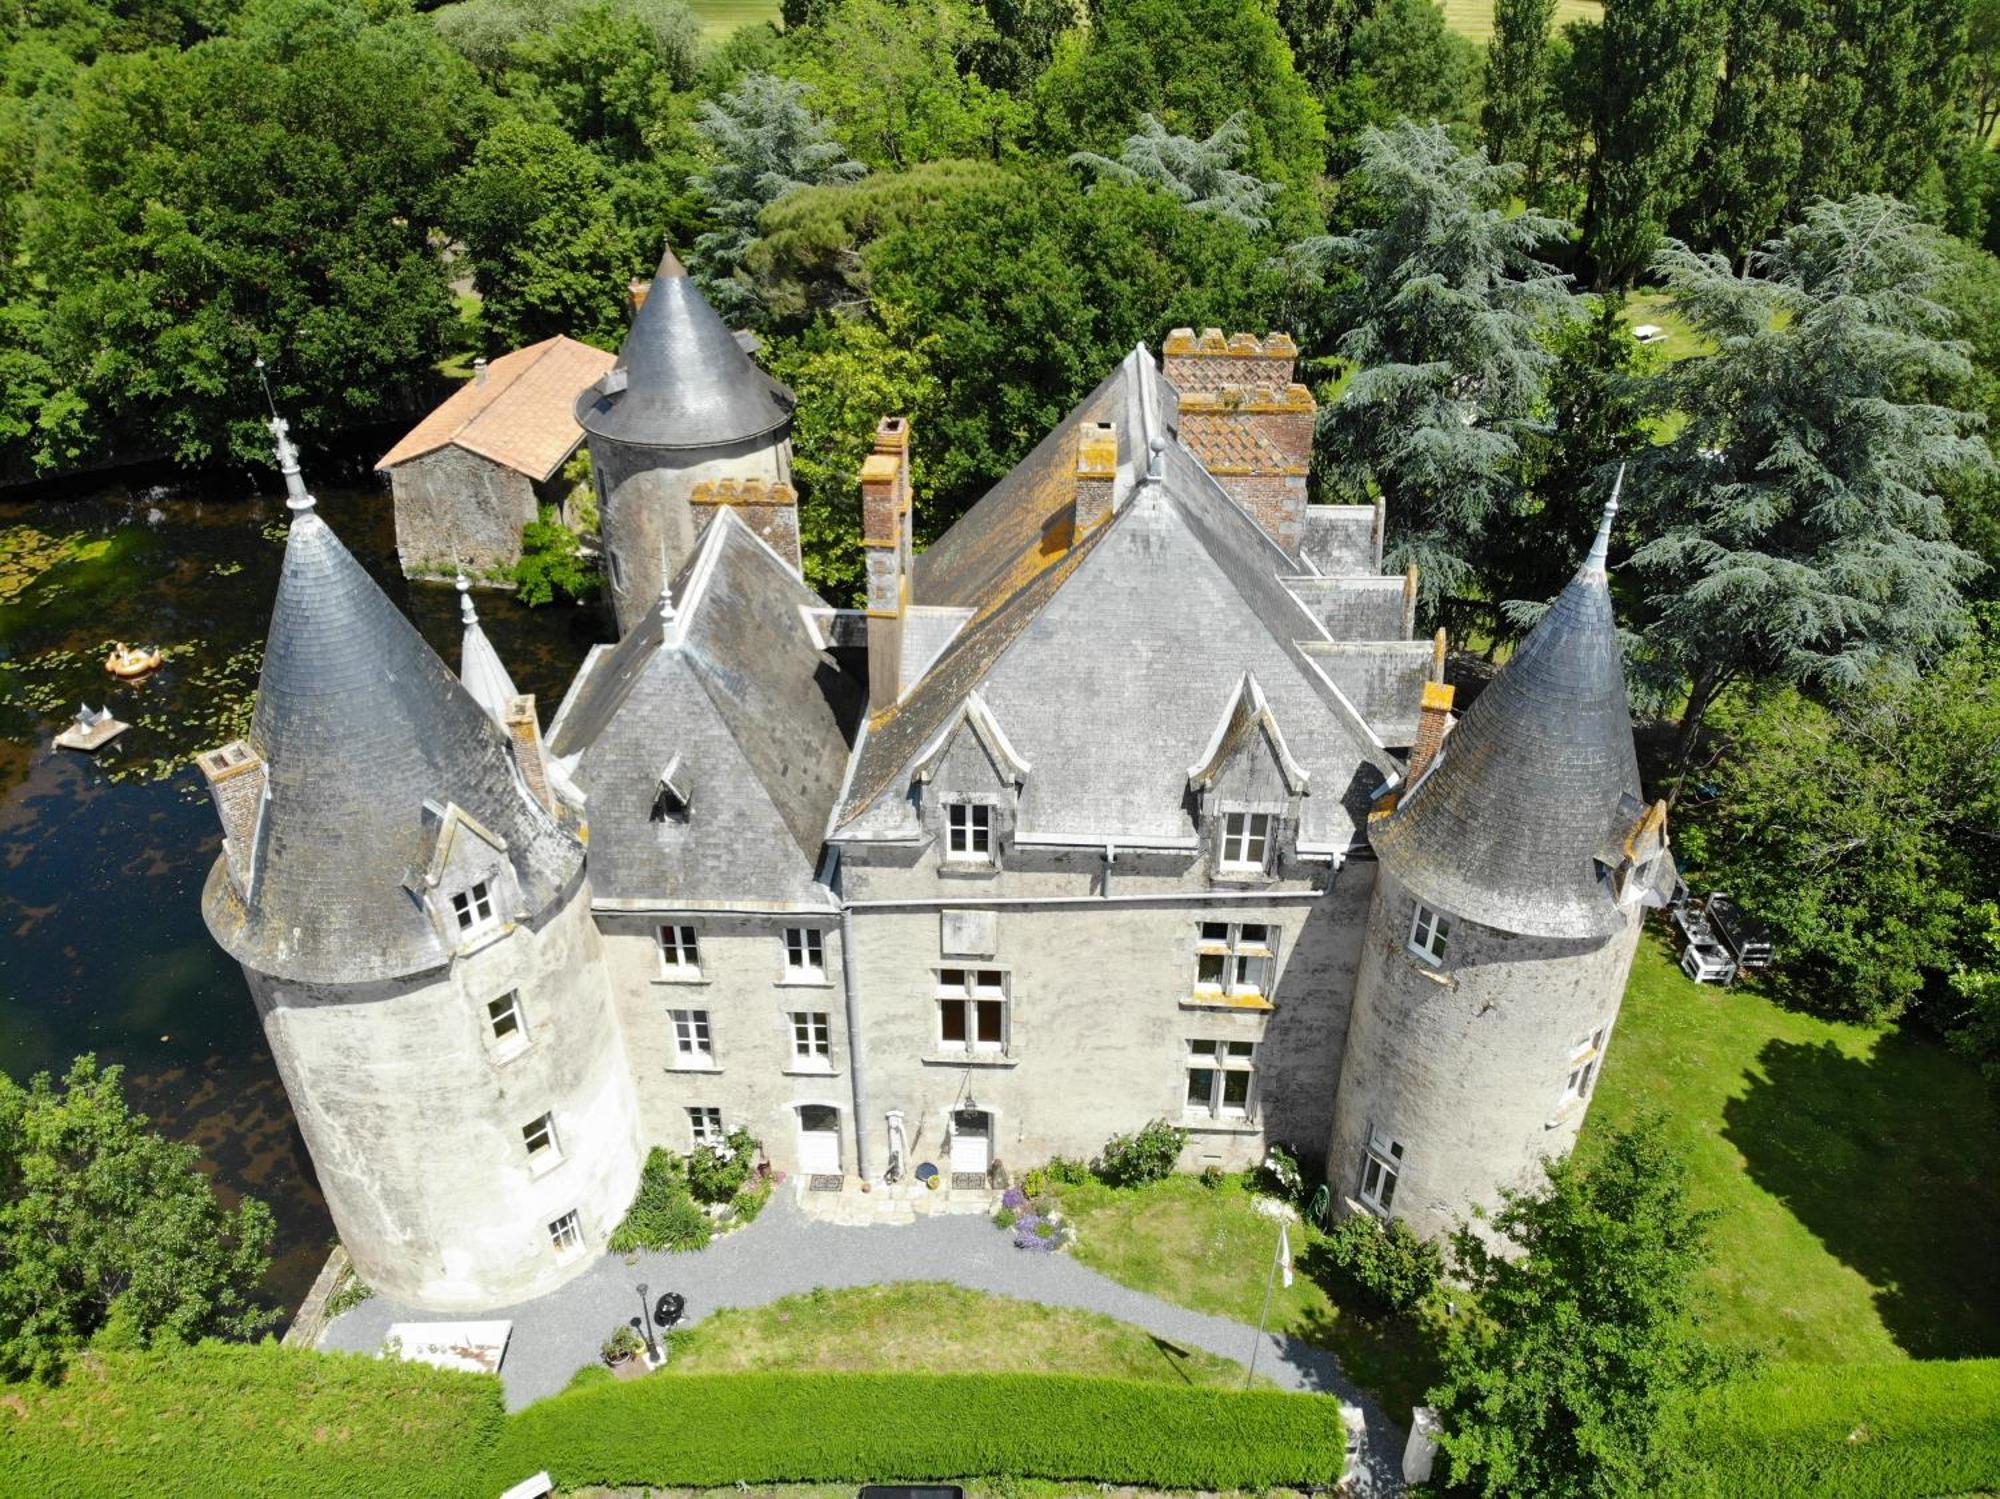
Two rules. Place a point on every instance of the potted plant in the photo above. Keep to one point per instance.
(621, 1346)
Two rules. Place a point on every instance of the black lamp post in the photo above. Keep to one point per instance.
(646, 1321)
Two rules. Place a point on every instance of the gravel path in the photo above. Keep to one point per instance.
(784, 1253)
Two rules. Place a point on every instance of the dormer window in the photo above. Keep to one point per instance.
(1430, 934)
(968, 831)
(1246, 841)
(472, 908)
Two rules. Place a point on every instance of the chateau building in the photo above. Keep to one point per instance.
(1131, 797)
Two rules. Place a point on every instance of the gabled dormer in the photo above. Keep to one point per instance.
(967, 785)
(1637, 866)
(467, 885)
(1246, 787)
(673, 793)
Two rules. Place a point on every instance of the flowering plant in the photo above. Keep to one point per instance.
(1014, 1198)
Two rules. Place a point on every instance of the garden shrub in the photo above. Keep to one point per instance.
(236, 1418)
(752, 1200)
(663, 1215)
(1280, 1175)
(1004, 1218)
(1843, 1431)
(1067, 1171)
(717, 1171)
(552, 562)
(1139, 1159)
(623, 1343)
(712, 1430)
(1390, 1268)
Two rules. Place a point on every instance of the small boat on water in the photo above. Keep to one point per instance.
(130, 662)
(94, 728)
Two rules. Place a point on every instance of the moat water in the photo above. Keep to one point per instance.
(102, 859)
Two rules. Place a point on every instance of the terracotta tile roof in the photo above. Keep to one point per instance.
(522, 415)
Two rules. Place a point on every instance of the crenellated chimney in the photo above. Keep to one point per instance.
(1433, 722)
(238, 780)
(1248, 422)
(885, 535)
(524, 738)
(769, 507)
(1096, 474)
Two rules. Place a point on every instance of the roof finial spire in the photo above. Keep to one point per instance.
(297, 500)
(667, 613)
(466, 612)
(1600, 549)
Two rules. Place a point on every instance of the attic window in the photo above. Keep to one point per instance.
(673, 796)
(473, 908)
(1246, 840)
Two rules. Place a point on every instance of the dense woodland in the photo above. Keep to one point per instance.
(967, 210)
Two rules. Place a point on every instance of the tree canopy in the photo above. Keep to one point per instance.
(108, 1229)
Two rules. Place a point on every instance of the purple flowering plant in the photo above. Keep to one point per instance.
(1014, 1198)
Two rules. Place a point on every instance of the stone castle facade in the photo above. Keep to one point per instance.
(1130, 798)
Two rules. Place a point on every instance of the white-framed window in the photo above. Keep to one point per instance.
(1583, 1060)
(539, 1135)
(1219, 1078)
(972, 1009)
(812, 1039)
(805, 954)
(509, 1026)
(472, 907)
(1246, 839)
(692, 1046)
(706, 1126)
(566, 1234)
(680, 955)
(1430, 934)
(968, 830)
(1234, 958)
(1380, 1169)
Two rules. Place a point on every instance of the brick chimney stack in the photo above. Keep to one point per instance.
(1433, 721)
(238, 779)
(769, 507)
(1096, 474)
(885, 536)
(524, 738)
(1247, 420)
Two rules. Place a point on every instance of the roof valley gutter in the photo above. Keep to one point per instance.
(850, 978)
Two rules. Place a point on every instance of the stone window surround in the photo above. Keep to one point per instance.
(705, 1124)
(972, 991)
(505, 1048)
(1429, 938)
(811, 945)
(679, 947)
(976, 828)
(812, 1041)
(1382, 1163)
(694, 1041)
(566, 1235)
(1233, 951)
(1221, 1060)
(549, 1154)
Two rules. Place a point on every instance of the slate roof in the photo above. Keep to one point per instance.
(761, 721)
(359, 724)
(522, 416)
(1531, 784)
(688, 382)
(480, 668)
(1109, 661)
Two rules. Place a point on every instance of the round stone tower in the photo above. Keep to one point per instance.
(414, 920)
(1513, 870)
(682, 414)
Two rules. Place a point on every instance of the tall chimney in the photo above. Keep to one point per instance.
(1248, 422)
(1096, 474)
(885, 536)
(237, 779)
(770, 507)
(524, 738)
(479, 372)
(1433, 720)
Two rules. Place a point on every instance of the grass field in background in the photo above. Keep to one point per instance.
(1851, 1167)
(720, 17)
(928, 1327)
(1474, 18)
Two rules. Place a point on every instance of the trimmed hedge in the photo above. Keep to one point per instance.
(713, 1430)
(221, 1418)
(1847, 1431)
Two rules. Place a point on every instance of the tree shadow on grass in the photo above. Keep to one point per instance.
(1888, 1160)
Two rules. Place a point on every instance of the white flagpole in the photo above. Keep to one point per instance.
(1265, 1316)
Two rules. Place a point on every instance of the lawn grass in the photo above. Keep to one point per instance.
(1474, 18)
(720, 17)
(928, 1327)
(1851, 1167)
(1208, 1248)
(1681, 342)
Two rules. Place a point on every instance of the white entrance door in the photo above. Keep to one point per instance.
(819, 1140)
(971, 1142)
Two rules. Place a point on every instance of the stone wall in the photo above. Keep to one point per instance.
(414, 1116)
(1465, 1064)
(456, 509)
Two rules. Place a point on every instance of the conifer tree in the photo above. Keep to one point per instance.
(1656, 88)
(1748, 168)
(1798, 522)
(767, 142)
(1444, 324)
(1200, 173)
(1517, 86)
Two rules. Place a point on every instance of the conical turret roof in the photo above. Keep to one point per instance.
(686, 381)
(359, 725)
(1532, 784)
(480, 668)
